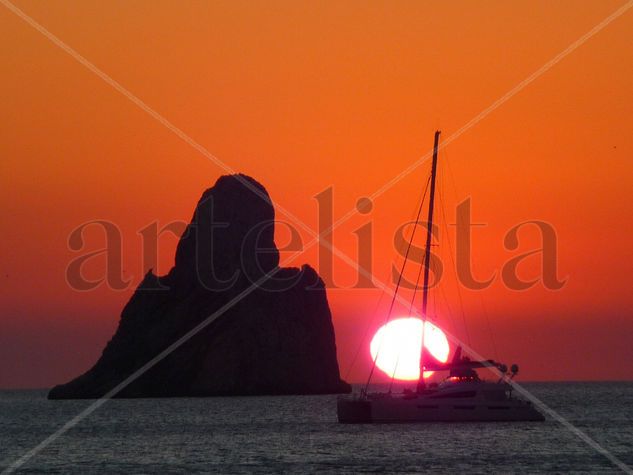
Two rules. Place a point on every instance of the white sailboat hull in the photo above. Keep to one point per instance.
(478, 402)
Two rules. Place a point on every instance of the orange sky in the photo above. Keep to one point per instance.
(306, 96)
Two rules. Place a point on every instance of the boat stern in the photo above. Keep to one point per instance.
(353, 410)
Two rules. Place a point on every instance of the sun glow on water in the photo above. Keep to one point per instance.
(397, 346)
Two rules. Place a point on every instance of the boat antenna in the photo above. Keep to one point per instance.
(427, 256)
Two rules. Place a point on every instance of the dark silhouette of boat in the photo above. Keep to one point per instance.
(461, 397)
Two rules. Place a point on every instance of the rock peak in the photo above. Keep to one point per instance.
(278, 339)
(230, 236)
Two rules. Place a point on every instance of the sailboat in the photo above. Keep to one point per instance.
(462, 396)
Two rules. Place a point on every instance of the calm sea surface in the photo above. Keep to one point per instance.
(300, 434)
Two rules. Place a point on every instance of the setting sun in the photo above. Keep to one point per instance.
(396, 347)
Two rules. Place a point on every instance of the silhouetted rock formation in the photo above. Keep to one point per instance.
(278, 339)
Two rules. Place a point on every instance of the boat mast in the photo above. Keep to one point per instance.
(427, 254)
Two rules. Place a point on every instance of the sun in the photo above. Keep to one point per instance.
(396, 347)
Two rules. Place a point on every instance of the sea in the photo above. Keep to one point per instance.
(300, 434)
